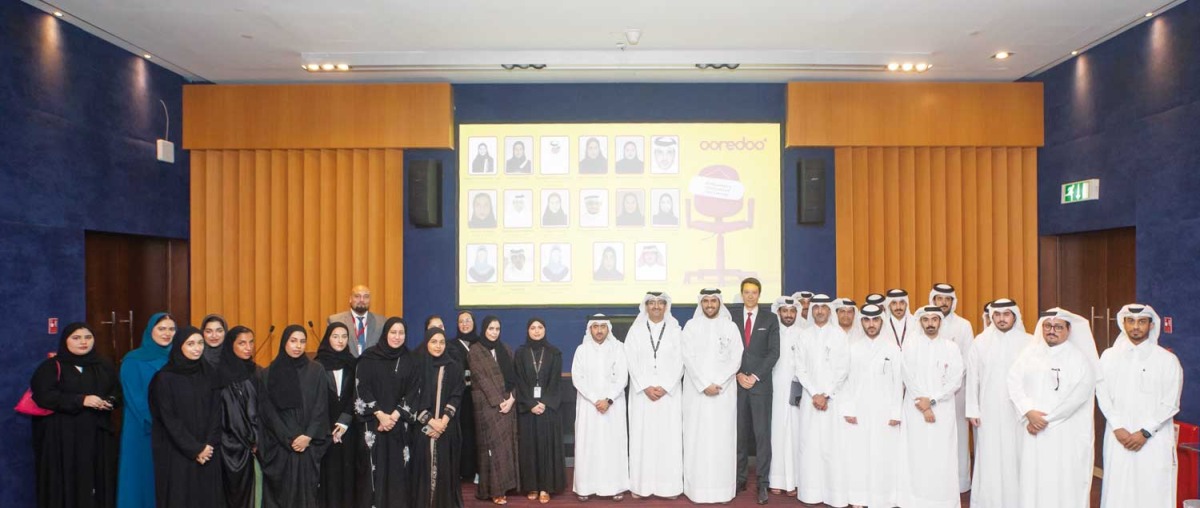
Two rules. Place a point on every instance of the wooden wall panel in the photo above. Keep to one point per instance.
(966, 216)
(914, 114)
(280, 236)
(381, 115)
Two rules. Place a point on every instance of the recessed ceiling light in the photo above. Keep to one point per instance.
(893, 66)
(1001, 55)
(1149, 14)
(1076, 52)
(343, 67)
(314, 67)
(922, 67)
(326, 67)
(147, 56)
(58, 13)
(906, 66)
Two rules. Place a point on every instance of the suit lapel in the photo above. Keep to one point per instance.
(333, 383)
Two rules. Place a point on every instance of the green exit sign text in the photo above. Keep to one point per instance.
(1084, 190)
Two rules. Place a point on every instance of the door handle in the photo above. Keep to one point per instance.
(1107, 327)
(130, 321)
(112, 330)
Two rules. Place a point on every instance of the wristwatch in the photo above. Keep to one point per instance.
(932, 402)
(1146, 434)
(609, 401)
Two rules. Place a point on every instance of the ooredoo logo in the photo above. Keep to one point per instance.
(734, 145)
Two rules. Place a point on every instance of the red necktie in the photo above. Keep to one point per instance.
(749, 327)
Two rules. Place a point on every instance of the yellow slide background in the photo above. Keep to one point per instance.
(751, 150)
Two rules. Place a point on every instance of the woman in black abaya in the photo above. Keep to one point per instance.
(458, 349)
(186, 416)
(343, 472)
(384, 377)
(436, 442)
(294, 403)
(238, 396)
(538, 367)
(75, 448)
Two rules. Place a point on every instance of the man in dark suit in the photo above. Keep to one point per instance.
(760, 335)
(364, 324)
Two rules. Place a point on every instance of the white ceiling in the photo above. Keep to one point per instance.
(234, 41)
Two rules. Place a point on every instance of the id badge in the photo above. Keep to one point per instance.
(537, 392)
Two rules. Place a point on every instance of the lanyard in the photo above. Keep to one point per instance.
(537, 366)
(654, 345)
(899, 337)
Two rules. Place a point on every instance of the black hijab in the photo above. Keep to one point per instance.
(213, 354)
(232, 368)
(283, 376)
(66, 356)
(439, 360)
(429, 366)
(470, 337)
(335, 360)
(381, 350)
(176, 362)
(502, 358)
(535, 345)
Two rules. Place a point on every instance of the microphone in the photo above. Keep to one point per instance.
(311, 329)
(270, 333)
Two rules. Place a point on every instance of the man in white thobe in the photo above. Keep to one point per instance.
(877, 299)
(1053, 386)
(899, 324)
(933, 371)
(957, 330)
(987, 316)
(785, 413)
(600, 373)
(990, 410)
(821, 367)
(1139, 395)
(871, 407)
(712, 354)
(847, 318)
(804, 298)
(654, 350)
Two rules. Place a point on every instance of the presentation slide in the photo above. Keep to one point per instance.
(593, 214)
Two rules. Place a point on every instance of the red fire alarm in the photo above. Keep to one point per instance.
(1168, 325)
(52, 326)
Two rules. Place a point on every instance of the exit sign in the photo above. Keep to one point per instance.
(1084, 190)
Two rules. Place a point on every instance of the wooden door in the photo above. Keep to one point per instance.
(1092, 274)
(128, 278)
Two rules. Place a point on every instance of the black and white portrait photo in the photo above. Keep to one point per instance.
(518, 152)
(482, 152)
(481, 263)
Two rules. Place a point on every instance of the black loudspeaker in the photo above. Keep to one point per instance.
(811, 190)
(425, 193)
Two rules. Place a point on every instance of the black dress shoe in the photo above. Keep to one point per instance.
(762, 494)
(741, 486)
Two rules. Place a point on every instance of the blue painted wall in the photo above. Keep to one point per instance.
(429, 254)
(1128, 112)
(78, 121)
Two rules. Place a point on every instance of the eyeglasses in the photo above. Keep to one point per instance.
(1049, 327)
